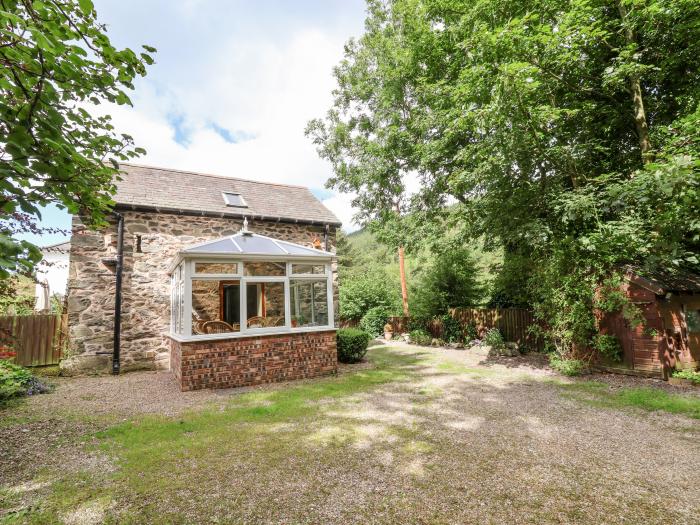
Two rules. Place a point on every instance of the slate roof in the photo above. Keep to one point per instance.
(145, 187)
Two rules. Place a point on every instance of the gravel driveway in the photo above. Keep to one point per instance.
(457, 438)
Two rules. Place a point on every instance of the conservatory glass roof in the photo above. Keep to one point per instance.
(247, 243)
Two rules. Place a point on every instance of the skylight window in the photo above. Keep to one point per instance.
(234, 199)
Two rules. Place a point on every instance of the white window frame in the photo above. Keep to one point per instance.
(188, 266)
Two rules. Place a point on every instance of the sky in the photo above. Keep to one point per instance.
(233, 86)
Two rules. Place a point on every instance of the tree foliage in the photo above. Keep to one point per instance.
(450, 280)
(566, 133)
(56, 62)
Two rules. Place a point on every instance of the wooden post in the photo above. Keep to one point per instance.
(404, 289)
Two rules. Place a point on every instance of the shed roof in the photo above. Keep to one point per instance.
(145, 187)
(664, 281)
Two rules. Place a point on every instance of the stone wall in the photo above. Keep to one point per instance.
(151, 241)
(247, 361)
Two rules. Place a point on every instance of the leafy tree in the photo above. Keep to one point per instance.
(450, 281)
(56, 61)
(359, 294)
(565, 132)
(16, 295)
(367, 134)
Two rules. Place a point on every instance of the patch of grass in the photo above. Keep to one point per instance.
(645, 398)
(159, 457)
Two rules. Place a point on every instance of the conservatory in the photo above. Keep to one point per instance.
(248, 309)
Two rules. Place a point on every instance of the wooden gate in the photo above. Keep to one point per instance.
(33, 340)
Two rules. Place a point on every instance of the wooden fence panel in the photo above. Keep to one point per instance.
(513, 323)
(33, 340)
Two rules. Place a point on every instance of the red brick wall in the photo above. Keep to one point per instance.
(247, 361)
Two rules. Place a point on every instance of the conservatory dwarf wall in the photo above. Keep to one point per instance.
(249, 309)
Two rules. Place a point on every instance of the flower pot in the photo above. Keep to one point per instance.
(388, 335)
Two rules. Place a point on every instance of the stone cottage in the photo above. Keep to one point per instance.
(225, 281)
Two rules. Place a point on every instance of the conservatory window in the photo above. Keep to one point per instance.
(265, 305)
(309, 302)
(177, 300)
(214, 306)
(260, 269)
(313, 269)
(216, 267)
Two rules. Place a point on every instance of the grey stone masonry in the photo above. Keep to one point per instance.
(151, 241)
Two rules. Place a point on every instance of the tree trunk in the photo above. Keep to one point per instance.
(640, 117)
(404, 289)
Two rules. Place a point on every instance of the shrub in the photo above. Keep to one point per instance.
(470, 331)
(418, 322)
(352, 344)
(450, 280)
(420, 337)
(374, 320)
(494, 338)
(693, 375)
(360, 294)
(568, 367)
(608, 346)
(17, 381)
(451, 329)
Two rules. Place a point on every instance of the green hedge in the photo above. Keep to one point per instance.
(352, 344)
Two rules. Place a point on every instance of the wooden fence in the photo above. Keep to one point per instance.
(513, 323)
(33, 340)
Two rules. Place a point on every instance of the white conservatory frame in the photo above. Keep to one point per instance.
(182, 273)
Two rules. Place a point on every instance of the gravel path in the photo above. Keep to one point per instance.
(466, 439)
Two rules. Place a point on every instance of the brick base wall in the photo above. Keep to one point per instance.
(247, 361)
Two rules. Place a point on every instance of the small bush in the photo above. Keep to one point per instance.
(568, 367)
(420, 337)
(693, 375)
(352, 344)
(609, 347)
(470, 331)
(451, 329)
(494, 338)
(17, 381)
(418, 323)
(374, 320)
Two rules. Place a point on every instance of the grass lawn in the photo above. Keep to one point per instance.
(417, 437)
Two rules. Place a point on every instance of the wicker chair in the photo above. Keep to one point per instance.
(257, 322)
(198, 326)
(217, 327)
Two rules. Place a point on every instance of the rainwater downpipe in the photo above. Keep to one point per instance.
(325, 237)
(118, 295)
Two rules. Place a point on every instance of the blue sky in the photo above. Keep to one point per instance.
(233, 86)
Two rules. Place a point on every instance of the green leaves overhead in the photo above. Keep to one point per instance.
(566, 132)
(57, 62)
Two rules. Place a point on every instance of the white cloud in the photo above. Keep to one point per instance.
(341, 205)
